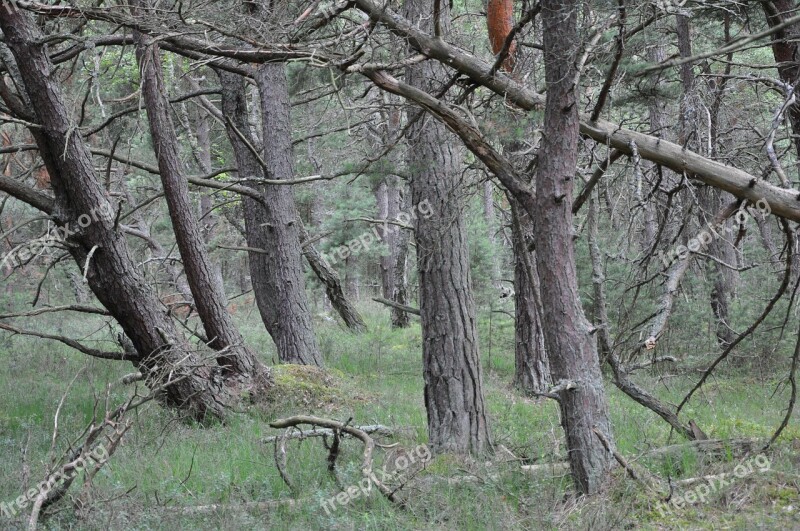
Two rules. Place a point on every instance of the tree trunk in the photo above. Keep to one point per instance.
(400, 318)
(568, 335)
(451, 361)
(381, 192)
(333, 286)
(531, 369)
(711, 200)
(209, 296)
(784, 50)
(274, 225)
(163, 354)
(490, 218)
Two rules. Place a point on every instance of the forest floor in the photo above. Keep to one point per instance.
(169, 475)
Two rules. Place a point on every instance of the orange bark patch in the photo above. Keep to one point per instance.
(500, 19)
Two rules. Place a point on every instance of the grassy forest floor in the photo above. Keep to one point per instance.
(167, 474)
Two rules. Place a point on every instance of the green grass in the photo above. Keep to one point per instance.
(171, 468)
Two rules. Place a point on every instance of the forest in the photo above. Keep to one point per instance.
(399, 264)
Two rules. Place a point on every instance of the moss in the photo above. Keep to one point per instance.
(307, 387)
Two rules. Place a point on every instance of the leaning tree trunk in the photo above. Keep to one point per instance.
(333, 286)
(569, 339)
(272, 227)
(531, 369)
(451, 361)
(209, 296)
(99, 247)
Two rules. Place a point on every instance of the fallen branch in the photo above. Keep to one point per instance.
(721, 447)
(369, 445)
(373, 429)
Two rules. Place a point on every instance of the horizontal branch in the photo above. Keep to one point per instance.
(396, 305)
(71, 308)
(26, 194)
(117, 356)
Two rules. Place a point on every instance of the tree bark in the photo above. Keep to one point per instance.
(206, 286)
(333, 286)
(568, 335)
(531, 369)
(400, 318)
(274, 226)
(162, 354)
(784, 49)
(451, 361)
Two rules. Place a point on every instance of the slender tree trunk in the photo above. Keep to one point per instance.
(387, 237)
(787, 60)
(490, 218)
(202, 154)
(400, 319)
(163, 354)
(452, 370)
(711, 200)
(274, 226)
(569, 339)
(531, 369)
(209, 296)
(333, 287)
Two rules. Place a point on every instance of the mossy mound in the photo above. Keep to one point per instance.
(310, 388)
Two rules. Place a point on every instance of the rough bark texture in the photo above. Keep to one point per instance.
(452, 370)
(274, 225)
(531, 369)
(568, 335)
(111, 274)
(206, 286)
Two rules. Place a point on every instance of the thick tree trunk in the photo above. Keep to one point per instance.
(452, 370)
(531, 369)
(209, 296)
(274, 225)
(568, 335)
(163, 354)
